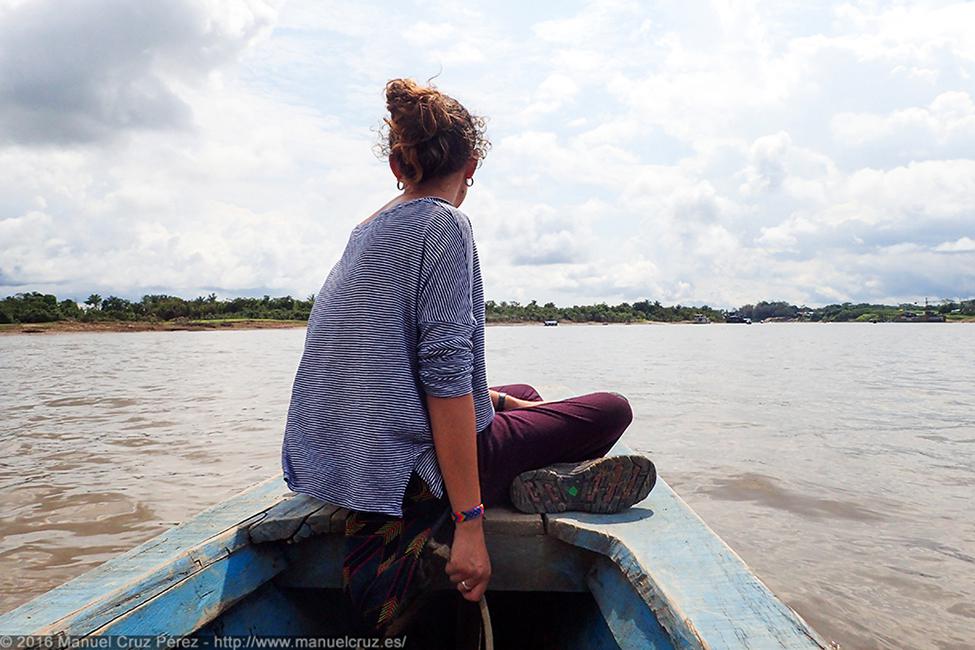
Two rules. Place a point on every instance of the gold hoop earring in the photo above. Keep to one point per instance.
(400, 185)
(469, 182)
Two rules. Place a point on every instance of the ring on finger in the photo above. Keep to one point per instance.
(463, 583)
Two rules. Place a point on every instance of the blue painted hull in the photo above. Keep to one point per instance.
(268, 563)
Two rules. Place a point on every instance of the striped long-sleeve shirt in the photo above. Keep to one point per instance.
(400, 316)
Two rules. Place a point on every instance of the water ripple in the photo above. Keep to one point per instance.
(837, 461)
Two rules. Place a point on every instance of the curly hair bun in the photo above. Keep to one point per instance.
(429, 133)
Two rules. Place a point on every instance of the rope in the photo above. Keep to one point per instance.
(442, 551)
(486, 625)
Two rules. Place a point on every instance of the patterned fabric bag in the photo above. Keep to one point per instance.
(382, 568)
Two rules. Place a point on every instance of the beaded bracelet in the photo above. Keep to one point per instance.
(467, 515)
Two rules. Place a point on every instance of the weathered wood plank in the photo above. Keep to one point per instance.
(634, 625)
(337, 521)
(300, 516)
(534, 563)
(284, 519)
(190, 603)
(317, 523)
(270, 611)
(125, 582)
(702, 593)
(512, 523)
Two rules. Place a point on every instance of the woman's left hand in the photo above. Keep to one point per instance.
(512, 403)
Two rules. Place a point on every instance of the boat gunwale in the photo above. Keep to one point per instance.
(724, 604)
(693, 611)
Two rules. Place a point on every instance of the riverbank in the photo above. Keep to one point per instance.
(58, 327)
(61, 327)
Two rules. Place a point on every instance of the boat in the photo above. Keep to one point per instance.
(267, 563)
(736, 317)
(701, 319)
(551, 323)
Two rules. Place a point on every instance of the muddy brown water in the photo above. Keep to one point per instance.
(837, 460)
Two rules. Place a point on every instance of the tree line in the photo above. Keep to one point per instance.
(514, 311)
(849, 312)
(35, 307)
(644, 310)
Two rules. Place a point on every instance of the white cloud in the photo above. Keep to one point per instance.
(86, 71)
(553, 92)
(945, 128)
(925, 191)
(719, 153)
(950, 116)
(960, 245)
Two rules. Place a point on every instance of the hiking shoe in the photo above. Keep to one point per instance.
(603, 485)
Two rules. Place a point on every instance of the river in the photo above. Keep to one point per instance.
(838, 460)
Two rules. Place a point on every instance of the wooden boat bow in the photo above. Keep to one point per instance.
(660, 577)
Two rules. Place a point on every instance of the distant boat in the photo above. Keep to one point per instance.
(268, 563)
(735, 317)
(701, 319)
(551, 323)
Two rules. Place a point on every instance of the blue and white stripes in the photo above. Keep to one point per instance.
(400, 315)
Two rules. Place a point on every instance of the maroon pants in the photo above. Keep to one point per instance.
(378, 568)
(566, 431)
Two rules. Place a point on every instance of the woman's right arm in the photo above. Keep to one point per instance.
(454, 439)
(445, 322)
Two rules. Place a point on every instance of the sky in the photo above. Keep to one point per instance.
(713, 153)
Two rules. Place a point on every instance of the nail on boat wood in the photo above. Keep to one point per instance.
(267, 562)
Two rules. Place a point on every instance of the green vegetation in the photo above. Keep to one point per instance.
(40, 308)
(35, 307)
(643, 310)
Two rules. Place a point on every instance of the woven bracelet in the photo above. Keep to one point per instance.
(467, 515)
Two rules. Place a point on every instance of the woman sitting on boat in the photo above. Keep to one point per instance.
(391, 415)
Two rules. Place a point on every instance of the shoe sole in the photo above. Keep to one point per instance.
(604, 485)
